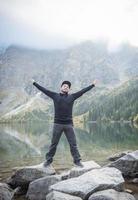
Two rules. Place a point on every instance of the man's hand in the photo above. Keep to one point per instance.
(32, 80)
(94, 82)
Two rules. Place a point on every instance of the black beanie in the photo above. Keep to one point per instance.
(66, 82)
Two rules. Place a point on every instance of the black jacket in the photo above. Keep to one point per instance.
(63, 103)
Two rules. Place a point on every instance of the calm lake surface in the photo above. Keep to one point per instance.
(26, 144)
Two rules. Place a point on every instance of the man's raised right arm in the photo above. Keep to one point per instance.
(49, 93)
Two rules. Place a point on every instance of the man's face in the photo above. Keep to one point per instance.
(65, 88)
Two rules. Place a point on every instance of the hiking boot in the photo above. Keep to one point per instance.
(46, 163)
(79, 164)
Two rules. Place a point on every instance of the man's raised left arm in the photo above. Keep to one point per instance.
(81, 92)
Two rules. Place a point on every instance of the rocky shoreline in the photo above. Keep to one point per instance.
(92, 182)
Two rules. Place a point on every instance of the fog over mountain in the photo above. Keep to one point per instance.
(51, 24)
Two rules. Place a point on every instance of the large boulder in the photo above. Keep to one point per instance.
(54, 195)
(119, 155)
(6, 193)
(23, 176)
(111, 194)
(77, 171)
(91, 181)
(39, 188)
(127, 164)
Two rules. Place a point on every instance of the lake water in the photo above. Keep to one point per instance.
(26, 144)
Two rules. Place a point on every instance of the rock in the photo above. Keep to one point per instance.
(23, 176)
(19, 191)
(132, 180)
(127, 164)
(118, 155)
(111, 194)
(128, 191)
(6, 193)
(65, 175)
(135, 180)
(77, 171)
(39, 188)
(54, 195)
(91, 181)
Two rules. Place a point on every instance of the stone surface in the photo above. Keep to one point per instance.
(135, 180)
(77, 171)
(6, 192)
(61, 196)
(23, 176)
(119, 155)
(65, 175)
(127, 164)
(39, 188)
(111, 194)
(19, 191)
(94, 180)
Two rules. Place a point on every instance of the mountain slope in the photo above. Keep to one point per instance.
(80, 64)
(36, 108)
(119, 103)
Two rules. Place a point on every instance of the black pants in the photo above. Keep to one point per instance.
(68, 129)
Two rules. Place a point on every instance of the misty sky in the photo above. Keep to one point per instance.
(61, 23)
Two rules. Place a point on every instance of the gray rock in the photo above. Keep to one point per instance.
(118, 155)
(65, 175)
(19, 191)
(111, 194)
(77, 171)
(39, 188)
(61, 196)
(6, 193)
(94, 180)
(134, 180)
(127, 164)
(23, 176)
